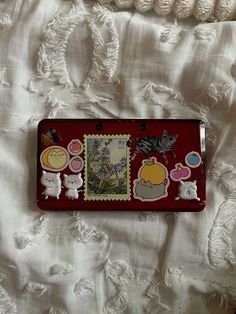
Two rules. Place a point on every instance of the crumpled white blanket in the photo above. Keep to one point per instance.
(64, 59)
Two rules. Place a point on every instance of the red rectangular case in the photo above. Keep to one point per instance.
(123, 164)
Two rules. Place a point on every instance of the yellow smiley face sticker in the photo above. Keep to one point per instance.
(54, 158)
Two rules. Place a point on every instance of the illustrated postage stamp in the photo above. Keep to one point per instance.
(107, 167)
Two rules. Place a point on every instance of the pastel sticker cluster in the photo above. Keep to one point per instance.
(187, 190)
(75, 148)
(57, 158)
(153, 182)
(108, 173)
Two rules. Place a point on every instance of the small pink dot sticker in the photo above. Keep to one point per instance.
(76, 164)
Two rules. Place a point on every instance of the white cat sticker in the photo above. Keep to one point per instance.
(72, 183)
(188, 191)
(52, 184)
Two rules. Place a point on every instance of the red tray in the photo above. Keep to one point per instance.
(126, 164)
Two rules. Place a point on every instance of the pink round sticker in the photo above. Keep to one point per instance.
(75, 147)
(76, 164)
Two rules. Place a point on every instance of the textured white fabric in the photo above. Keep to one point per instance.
(64, 59)
(202, 10)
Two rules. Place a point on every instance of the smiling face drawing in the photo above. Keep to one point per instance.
(57, 158)
(54, 158)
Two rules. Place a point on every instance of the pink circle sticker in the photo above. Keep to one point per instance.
(76, 164)
(75, 147)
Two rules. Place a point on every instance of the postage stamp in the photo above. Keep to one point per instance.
(107, 167)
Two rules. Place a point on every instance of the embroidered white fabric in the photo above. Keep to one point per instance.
(202, 10)
(79, 59)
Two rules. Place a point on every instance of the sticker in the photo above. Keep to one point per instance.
(107, 167)
(188, 191)
(72, 183)
(50, 138)
(193, 159)
(180, 173)
(54, 158)
(52, 184)
(75, 147)
(152, 144)
(152, 182)
(76, 164)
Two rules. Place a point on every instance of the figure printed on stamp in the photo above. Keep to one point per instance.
(151, 144)
(72, 183)
(52, 184)
(188, 190)
(107, 160)
(152, 182)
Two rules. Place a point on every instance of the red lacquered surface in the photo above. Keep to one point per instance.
(191, 137)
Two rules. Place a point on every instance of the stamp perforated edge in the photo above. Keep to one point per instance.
(115, 197)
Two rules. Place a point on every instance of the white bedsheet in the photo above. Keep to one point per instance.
(59, 60)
